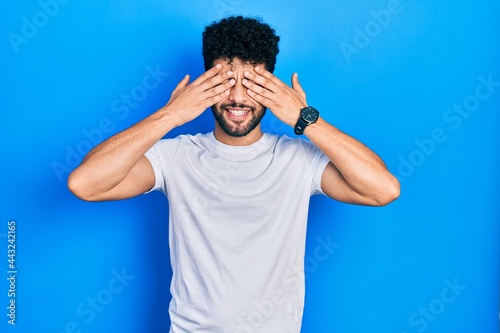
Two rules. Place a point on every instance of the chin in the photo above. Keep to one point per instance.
(237, 121)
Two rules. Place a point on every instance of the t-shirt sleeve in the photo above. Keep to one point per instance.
(153, 155)
(318, 163)
(160, 155)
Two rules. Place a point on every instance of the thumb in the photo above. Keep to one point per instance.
(184, 82)
(296, 85)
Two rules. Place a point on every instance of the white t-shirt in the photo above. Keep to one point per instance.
(237, 230)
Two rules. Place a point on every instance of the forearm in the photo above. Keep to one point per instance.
(108, 164)
(357, 175)
(362, 169)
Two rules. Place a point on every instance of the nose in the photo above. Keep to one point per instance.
(238, 93)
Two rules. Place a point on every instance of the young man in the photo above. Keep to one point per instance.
(238, 197)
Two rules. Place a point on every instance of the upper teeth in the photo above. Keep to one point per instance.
(238, 112)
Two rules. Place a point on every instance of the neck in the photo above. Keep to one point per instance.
(246, 140)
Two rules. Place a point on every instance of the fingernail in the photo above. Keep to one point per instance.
(218, 66)
(246, 73)
(244, 81)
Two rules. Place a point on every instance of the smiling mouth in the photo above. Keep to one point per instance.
(237, 113)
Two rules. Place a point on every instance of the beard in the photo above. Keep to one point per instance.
(238, 128)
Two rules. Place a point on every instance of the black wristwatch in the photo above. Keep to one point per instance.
(308, 116)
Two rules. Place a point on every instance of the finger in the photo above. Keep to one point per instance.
(208, 74)
(220, 78)
(256, 79)
(216, 98)
(184, 82)
(260, 99)
(296, 85)
(268, 75)
(257, 89)
(219, 89)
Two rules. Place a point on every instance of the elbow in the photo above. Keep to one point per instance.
(76, 185)
(390, 192)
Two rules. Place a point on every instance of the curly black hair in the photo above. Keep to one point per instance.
(246, 38)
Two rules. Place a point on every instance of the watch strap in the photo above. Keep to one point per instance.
(300, 126)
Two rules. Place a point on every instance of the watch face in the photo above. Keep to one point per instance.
(309, 114)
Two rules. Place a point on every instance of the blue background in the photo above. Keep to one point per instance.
(63, 80)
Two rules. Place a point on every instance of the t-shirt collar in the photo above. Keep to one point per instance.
(239, 153)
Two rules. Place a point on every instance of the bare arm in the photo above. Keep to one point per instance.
(117, 168)
(355, 174)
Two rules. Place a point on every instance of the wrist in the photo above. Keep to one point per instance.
(314, 126)
(166, 119)
(308, 116)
